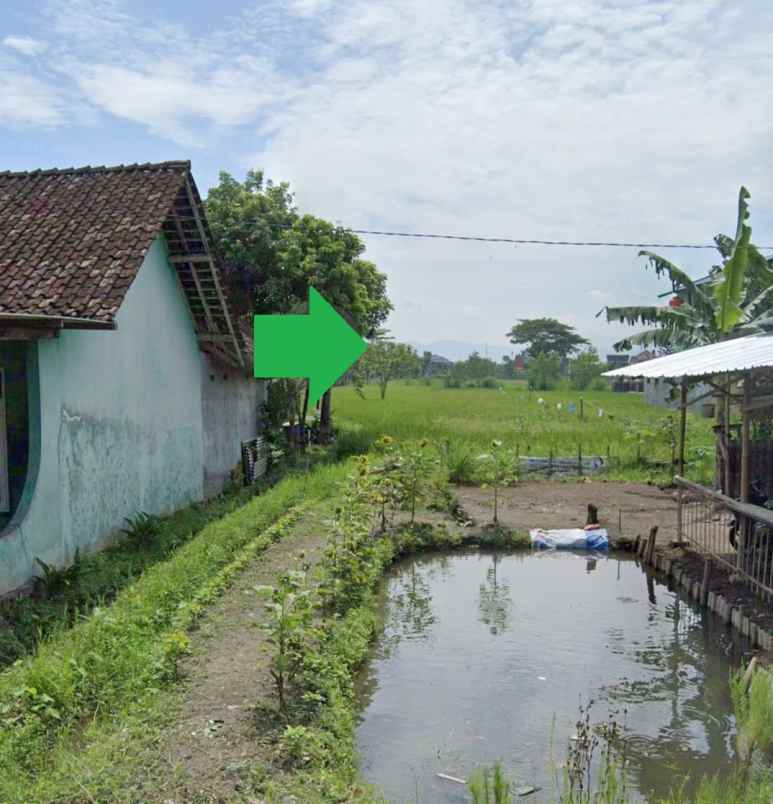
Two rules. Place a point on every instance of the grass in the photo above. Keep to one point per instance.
(98, 577)
(68, 712)
(634, 435)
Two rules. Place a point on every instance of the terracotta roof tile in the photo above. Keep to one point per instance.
(74, 239)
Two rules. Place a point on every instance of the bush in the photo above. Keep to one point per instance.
(489, 382)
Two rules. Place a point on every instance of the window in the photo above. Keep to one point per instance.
(5, 501)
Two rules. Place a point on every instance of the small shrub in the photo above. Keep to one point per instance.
(489, 382)
(497, 469)
(55, 581)
(290, 613)
(141, 529)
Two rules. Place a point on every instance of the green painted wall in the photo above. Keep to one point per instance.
(13, 360)
(120, 426)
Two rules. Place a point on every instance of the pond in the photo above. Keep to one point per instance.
(488, 656)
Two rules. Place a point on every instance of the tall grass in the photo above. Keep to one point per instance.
(637, 437)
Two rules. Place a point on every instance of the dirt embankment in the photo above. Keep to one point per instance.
(554, 504)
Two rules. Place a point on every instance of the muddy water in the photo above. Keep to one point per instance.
(488, 656)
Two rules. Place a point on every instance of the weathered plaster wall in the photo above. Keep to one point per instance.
(120, 427)
(231, 408)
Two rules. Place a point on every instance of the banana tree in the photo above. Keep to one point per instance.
(734, 300)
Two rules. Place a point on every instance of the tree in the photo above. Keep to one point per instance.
(585, 369)
(272, 255)
(543, 371)
(426, 359)
(384, 361)
(736, 297)
(475, 367)
(546, 335)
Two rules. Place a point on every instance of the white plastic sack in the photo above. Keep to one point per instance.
(570, 538)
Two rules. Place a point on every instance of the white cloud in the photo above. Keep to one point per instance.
(26, 45)
(25, 101)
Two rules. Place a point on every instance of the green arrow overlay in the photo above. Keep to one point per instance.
(320, 346)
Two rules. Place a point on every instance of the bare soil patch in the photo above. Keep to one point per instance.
(217, 736)
(556, 504)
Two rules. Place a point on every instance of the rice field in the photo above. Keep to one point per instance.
(636, 440)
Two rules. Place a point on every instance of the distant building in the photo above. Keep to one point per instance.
(617, 361)
(437, 365)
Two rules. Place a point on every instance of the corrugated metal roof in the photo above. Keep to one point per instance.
(740, 354)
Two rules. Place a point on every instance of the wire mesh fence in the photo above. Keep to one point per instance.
(737, 535)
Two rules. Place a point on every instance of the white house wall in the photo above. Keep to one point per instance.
(120, 423)
(231, 409)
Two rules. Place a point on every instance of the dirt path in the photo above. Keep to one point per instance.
(216, 737)
(552, 504)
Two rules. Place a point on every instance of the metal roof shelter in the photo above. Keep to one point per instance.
(726, 357)
(721, 365)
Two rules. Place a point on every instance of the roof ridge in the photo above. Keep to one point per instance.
(180, 164)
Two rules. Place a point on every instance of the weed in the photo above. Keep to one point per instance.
(141, 529)
(489, 786)
(55, 580)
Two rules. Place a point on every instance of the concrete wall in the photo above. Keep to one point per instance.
(657, 392)
(115, 426)
(231, 409)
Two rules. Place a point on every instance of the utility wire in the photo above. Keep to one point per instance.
(521, 241)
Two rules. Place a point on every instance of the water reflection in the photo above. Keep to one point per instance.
(494, 599)
(444, 694)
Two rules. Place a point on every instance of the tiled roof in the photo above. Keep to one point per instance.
(73, 240)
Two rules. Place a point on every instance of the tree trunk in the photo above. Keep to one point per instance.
(325, 417)
(304, 413)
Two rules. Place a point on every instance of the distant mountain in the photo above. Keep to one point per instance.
(460, 350)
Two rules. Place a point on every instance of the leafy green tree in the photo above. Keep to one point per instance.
(543, 371)
(737, 297)
(475, 367)
(384, 361)
(272, 255)
(585, 369)
(546, 335)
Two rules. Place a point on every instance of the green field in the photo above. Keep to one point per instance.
(634, 436)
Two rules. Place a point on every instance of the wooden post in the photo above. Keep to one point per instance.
(728, 444)
(593, 515)
(579, 458)
(706, 582)
(745, 449)
(682, 425)
(680, 515)
(651, 544)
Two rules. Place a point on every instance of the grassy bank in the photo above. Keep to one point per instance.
(65, 712)
(638, 438)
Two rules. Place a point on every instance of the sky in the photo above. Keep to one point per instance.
(633, 120)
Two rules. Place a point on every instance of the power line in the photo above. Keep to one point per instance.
(516, 241)
(522, 241)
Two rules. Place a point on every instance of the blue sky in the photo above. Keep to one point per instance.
(566, 119)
